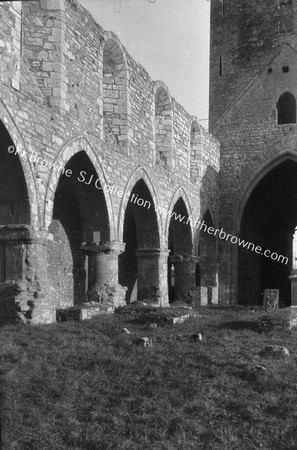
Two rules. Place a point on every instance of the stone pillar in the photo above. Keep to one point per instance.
(185, 278)
(152, 284)
(23, 276)
(293, 277)
(103, 268)
(209, 284)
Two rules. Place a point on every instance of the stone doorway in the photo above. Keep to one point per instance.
(268, 220)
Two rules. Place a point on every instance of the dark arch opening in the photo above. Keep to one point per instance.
(79, 211)
(207, 273)
(14, 201)
(179, 245)
(14, 227)
(140, 232)
(269, 220)
(286, 109)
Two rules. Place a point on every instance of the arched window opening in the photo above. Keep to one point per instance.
(286, 109)
(114, 92)
(196, 151)
(163, 127)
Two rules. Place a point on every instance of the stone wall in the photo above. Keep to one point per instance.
(256, 44)
(84, 105)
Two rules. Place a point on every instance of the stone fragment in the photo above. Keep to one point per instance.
(195, 337)
(270, 299)
(145, 342)
(180, 319)
(275, 350)
(260, 369)
(126, 331)
(153, 325)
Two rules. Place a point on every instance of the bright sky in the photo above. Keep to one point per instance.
(170, 38)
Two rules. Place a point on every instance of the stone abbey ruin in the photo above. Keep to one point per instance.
(104, 176)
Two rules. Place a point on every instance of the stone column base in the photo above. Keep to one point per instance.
(152, 285)
(107, 295)
(103, 286)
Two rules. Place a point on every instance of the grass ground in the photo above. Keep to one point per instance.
(89, 386)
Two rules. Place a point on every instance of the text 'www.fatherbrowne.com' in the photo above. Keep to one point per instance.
(35, 158)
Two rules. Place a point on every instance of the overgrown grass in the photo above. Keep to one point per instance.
(89, 386)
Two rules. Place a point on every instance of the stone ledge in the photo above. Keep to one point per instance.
(82, 312)
(282, 319)
(156, 314)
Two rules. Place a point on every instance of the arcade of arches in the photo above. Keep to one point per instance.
(75, 260)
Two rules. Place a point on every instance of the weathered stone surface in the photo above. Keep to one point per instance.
(82, 312)
(195, 337)
(83, 128)
(144, 342)
(275, 350)
(181, 319)
(284, 319)
(259, 368)
(251, 67)
(126, 331)
(270, 300)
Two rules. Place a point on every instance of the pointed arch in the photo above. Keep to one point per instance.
(19, 143)
(179, 193)
(265, 216)
(65, 154)
(140, 264)
(115, 82)
(250, 185)
(163, 124)
(139, 174)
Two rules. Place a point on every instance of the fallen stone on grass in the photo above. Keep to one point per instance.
(181, 305)
(275, 350)
(153, 325)
(126, 331)
(259, 368)
(195, 337)
(144, 342)
(181, 319)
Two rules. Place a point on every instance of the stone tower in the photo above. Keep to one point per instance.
(253, 89)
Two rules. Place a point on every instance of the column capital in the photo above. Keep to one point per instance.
(106, 248)
(23, 234)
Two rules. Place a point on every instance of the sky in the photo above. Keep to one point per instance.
(170, 38)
